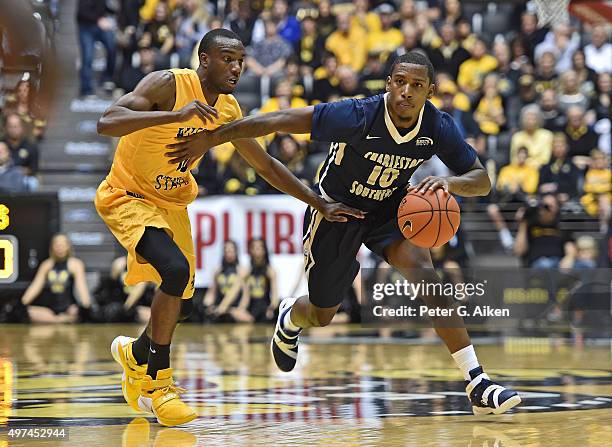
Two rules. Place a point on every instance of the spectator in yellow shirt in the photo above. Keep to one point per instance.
(348, 45)
(537, 140)
(367, 21)
(598, 189)
(283, 99)
(518, 178)
(489, 112)
(473, 70)
(446, 84)
(387, 39)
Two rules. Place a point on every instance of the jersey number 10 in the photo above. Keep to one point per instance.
(385, 177)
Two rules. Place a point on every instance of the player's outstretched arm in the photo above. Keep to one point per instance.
(150, 104)
(288, 121)
(275, 173)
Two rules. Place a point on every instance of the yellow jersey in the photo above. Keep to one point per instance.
(140, 166)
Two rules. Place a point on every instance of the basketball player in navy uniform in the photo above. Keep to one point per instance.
(376, 145)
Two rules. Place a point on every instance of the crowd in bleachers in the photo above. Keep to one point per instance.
(533, 93)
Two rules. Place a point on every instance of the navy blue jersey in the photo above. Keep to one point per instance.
(370, 160)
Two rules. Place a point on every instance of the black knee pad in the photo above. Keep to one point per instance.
(175, 276)
(186, 309)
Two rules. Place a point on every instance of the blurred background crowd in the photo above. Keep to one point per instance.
(527, 83)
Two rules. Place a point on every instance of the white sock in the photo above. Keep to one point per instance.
(466, 360)
(288, 324)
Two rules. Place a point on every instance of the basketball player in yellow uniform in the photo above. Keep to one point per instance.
(143, 200)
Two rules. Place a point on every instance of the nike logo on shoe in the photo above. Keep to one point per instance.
(370, 137)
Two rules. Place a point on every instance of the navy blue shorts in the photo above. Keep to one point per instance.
(330, 249)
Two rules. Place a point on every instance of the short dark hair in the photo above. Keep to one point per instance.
(210, 38)
(417, 58)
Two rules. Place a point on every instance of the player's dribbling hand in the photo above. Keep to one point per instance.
(199, 109)
(431, 182)
(337, 212)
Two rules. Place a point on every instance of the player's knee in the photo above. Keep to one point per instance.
(175, 276)
(186, 309)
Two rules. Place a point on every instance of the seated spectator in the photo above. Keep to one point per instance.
(508, 75)
(53, 287)
(301, 85)
(290, 153)
(447, 86)
(426, 32)
(288, 26)
(570, 92)
(326, 21)
(517, 180)
(554, 120)
(451, 12)
(560, 176)
(489, 113)
(21, 103)
(587, 77)
(373, 77)
(464, 120)
(407, 11)
(131, 76)
(545, 73)
(584, 256)
(283, 99)
(603, 98)
(349, 86)
(473, 70)
(119, 303)
(540, 240)
(526, 95)
(365, 20)
(599, 52)
(268, 57)
(582, 139)
(225, 279)
(387, 38)
(12, 179)
(240, 178)
(311, 45)
(520, 55)
(325, 79)
(410, 41)
(159, 34)
(23, 152)
(530, 32)
(537, 140)
(598, 189)
(259, 299)
(449, 54)
(349, 46)
(243, 22)
(561, 42)
(192, 24)
(465, 35)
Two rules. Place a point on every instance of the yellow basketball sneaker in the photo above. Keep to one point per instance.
(121, 348)
(161, 397)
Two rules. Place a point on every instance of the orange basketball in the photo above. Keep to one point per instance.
(430, 219)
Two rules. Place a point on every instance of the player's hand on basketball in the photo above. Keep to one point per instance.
(337, 212)
(199, 109)
(431, 182)
(189, 147)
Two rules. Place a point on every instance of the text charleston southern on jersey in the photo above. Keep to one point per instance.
(370, 159)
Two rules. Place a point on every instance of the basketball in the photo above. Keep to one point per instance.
(430, 219)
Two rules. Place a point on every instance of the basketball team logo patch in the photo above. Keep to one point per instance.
(424, 141)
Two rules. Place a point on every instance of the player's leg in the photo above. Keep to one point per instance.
(415, 264)
(330, 249)
(157, 389)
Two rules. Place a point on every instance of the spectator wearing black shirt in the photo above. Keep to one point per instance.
(530, 31)
(560, 176)
(326, 22)
(244, 23)
(540, 240)
(326, 82)
(587, 77)
(373, 77)
(582, 138)
(554, 120)
(311, 46)
(133, 75)
(545, 75)
(450, 54)
(23, 152)
(94, 27)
